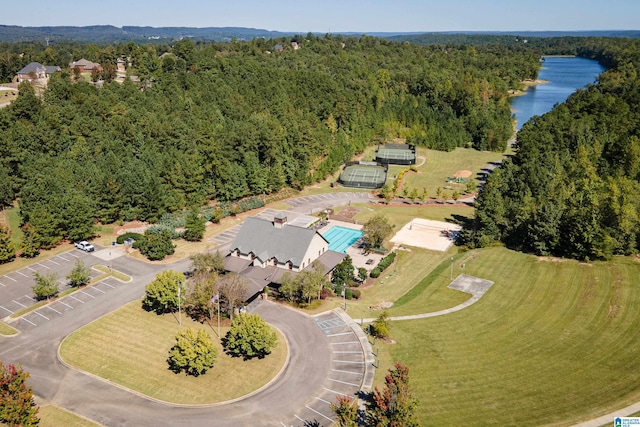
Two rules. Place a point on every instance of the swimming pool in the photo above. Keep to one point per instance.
(340, 238)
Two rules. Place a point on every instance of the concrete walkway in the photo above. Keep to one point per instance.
(464, 283)
(608, 419)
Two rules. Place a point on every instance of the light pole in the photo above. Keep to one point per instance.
(179, 310)
(451, 274)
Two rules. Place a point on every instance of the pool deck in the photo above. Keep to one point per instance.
(357, 255)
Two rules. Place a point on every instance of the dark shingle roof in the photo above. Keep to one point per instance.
(31, 67)
(266, 241)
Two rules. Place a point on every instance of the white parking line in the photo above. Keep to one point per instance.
(300, 419)
(345, 342)
(31, 298)
(79, 300)
(28, 321)
(41, 315)
(3, 285)
(336, 392)
(53, 309)
(63, 282)
(319, 413)
(56, 263)
(347, 372)
(22, 274)
(347, 352)
(344, 382)
(41, 264)
(359, 362)
(340, 334)
(32, 269)
(73, 255)
(61, 257)
(88, 294)
(106, 284)
(21, 305)
(98, 289)
(6, 309)
(65, 304)
(322, 400)
(9, 278)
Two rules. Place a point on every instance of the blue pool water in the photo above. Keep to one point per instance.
(340, 238)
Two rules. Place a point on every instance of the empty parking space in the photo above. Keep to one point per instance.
(345, 375)
(59, 307)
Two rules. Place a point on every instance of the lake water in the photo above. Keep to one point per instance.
(565, 75)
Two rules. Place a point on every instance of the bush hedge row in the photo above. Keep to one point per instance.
(383, 265)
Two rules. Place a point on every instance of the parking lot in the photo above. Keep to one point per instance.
(345, 376)
(16, 291)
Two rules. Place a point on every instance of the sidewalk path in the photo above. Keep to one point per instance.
(464, 283)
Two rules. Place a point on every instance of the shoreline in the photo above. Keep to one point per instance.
(527, 84)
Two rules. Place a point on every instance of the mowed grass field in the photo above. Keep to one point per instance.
(553, 342)
(130, 347)
(52, 416)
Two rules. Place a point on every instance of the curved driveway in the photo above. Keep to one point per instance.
(299, 396)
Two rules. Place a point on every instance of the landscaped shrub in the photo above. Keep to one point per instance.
(135, 236)
(249, 204)
(386, 261)
(348, 293)
(163, 228)
(356, 293)
(382, 265)
(325, 293)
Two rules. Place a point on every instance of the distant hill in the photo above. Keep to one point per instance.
(110, 34)
(476, 37)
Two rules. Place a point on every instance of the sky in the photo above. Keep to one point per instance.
(333, 15)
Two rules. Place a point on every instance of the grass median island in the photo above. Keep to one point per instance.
(130, 347)
(552, 342)
(53, 416)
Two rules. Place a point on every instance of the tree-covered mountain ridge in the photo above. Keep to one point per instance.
(571, 189)
(111, 34)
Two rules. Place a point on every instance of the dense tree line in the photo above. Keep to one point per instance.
(228, 120)
(571, 189)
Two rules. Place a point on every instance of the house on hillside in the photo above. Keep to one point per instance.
(35, 71)
(264, 251)
(85, 66)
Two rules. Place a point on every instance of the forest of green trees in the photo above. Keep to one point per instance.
(223, 121)
(572, 188)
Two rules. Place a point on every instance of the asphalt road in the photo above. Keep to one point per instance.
(325, 358)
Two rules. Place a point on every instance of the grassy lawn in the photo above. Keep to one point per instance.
(10, 217)
(7, 330)
(552, 342)
(130, 347)
(439, 165)
(52, 416)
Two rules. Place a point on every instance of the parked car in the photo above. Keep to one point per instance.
(85, 246)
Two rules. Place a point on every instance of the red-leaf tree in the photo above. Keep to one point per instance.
(346, 412)
(17, 407)
(394, 406)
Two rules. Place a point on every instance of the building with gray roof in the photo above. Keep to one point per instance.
(264, 251)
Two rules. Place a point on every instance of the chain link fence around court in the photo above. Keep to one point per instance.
(364, 175)
(396, 154)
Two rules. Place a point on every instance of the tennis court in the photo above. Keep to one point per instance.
(404, 157)
(341, 238)
(396, 154)
(363, 176)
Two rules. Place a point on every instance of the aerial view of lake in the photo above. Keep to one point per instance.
(565, 75)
